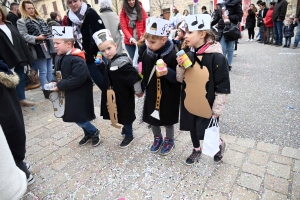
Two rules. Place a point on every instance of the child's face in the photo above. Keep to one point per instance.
(180, 33)
(156, 44)
(194, 38)
(61, 46)
(108, 49)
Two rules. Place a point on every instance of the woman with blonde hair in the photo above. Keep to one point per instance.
(37, 33)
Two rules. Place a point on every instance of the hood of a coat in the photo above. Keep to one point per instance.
(210, 48)
(77, 52)
(9, 80)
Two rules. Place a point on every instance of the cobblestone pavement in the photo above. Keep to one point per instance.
(262, 160)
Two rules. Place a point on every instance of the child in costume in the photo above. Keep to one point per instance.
(205, 85)
(288, 31)
(179, 42)
(161, 107)
(76, 84)
(123, 79)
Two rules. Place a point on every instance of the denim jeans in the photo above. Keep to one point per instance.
(44, 67)
(227, 48)
(88, 128)
(278, 25)
(22, 83)
(131, 50)
(95, 75)
(297, 37)
(127, 130)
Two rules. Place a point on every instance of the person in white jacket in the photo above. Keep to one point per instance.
(13, 182)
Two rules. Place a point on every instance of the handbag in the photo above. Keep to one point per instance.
(31, 76)
(231, 32)
(211, 138)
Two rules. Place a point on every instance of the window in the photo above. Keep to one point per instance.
(193, 9)
(54, 6)
(96, 1)
(44, 9)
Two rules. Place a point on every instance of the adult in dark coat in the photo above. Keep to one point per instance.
(260, 21)
(14, 13)
(11, 117)
(169, 103)
(278, 18)
(15, 53)
(251, 21)
(122, 81)
(87, 22)
(78, 87)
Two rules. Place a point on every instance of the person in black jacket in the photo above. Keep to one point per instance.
(250, 22)
(86, 22)
(278, 18)
(14, 13)
(288, 31)
(260, 21)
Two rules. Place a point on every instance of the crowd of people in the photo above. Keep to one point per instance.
(273, 24)
(90, 50)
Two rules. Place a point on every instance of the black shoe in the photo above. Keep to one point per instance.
(284, 46)
(229, 68)
(278, 45)
(266, 42)
(219, 156)
(96, 139)
(294, 47)
(85, 140)
(258, 40)
(126, 141)
(288, 46)
(46, 93)
(193, 157)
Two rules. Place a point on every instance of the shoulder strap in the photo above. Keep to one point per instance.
(151, 74)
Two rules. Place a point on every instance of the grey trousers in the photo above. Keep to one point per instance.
(169, 131)
(270, 35)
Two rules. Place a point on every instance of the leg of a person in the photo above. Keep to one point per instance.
(131, 50)
(276, 34)
(224, 46)
(49, 70)
(288, 41)
(156, 131)
(260, 34)
(235, 45)
(128, 130)
(41, 65)
(279, 29)
(96, 75)
(253, 34)
(249, 33)
(230, 50)
(22, 83)
(22, 166)
(297, 37)
(90, 128)
(194, 138)
(170, 132)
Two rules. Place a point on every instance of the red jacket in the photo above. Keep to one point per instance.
(268, 19)
(140, 25)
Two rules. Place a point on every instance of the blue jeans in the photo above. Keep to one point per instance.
(131, 50)
(96, 74)
(297, 37)
(127, 130)
(228, 49)
(44, 67)
(22, 83)
(278, 25)
(88, 128)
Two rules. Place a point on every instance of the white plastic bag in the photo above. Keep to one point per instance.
(135, 58)
(211, 141)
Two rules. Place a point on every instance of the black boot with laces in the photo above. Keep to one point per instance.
(195, 156)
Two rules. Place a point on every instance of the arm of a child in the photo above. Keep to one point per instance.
(77, 78)
(138, 89)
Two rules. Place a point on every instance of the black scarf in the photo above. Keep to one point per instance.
(4, 68)
(165, 50)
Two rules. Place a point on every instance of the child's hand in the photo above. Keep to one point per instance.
(55, 89)
(140, 94)
(98, 61)
(180, 61)
(162, 73)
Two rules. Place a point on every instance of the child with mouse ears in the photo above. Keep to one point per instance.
(205, 85)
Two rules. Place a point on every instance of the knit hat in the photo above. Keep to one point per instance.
(105, 4)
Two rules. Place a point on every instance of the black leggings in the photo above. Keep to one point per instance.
(251, 33)
(195, 140)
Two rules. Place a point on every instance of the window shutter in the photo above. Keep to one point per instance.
(54, 6)
(44, 9)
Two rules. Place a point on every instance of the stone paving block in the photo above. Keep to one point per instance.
(291, 152)
(258, 157)
(47, 173)
(281, 159)
(33, 134)
(229, 138)
(296, 187)
(250, 181)
(43, 163)
(63, 141)
(297, 166)
(227, 174)
(234, 158)
(245, 142)
(33, 149)
(59, 135)
(82, 193)
(64, 151)
(210, 194)
(240, 193)
(43, 153)
(276, 184)
(55, 181)
(47, 142)
(238, 148)
(33, 141)
(279, 170)
(271, 148)
(133, 193)
(62, 162)
(271, 195)
(254, 169)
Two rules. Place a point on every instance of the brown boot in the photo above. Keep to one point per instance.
(32, 86)
(26, 103)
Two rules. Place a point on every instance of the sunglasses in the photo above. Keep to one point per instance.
(73, 1)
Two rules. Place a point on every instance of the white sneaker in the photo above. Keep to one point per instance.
(248, 40)
(251, 40)
(30, 180)
(29, 167)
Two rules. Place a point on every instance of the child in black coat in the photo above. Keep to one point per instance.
(288, 31)
(123, 79)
